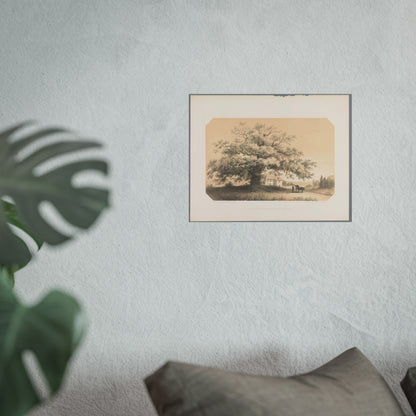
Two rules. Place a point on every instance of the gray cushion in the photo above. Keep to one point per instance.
(349, 385)
(409, 387)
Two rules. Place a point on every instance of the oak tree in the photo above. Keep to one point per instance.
(253, 151)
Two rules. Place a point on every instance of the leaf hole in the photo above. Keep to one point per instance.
(38, 144)
(89, 178)
(27, 239)
(50, 214)
(61, 160)
(35, 373)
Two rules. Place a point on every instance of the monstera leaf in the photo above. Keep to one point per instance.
(27, 188)
(12, 218)
(51, 330)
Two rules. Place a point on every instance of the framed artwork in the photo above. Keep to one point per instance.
(270, 157)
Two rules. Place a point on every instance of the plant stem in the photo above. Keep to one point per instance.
(7, 275)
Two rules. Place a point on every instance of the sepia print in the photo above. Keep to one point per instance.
(270, 157)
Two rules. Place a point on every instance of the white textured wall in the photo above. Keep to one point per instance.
(272, 298)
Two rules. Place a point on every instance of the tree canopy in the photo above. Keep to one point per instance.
(254, 151)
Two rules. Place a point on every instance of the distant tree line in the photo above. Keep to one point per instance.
(324, 182)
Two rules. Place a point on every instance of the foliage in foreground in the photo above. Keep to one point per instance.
(30, 173)
(51, 329)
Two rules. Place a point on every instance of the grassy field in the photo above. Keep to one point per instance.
(324, 191)
(266, 193)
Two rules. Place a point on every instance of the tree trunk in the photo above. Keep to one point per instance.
(255, 180)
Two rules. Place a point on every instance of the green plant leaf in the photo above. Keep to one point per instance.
(10, 212)
(7, 276)
(80, 206)
(51, 329)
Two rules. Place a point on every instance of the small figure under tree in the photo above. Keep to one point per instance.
(253, 151)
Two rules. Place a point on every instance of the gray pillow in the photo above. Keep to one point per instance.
(349, 385)
(409, 387)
